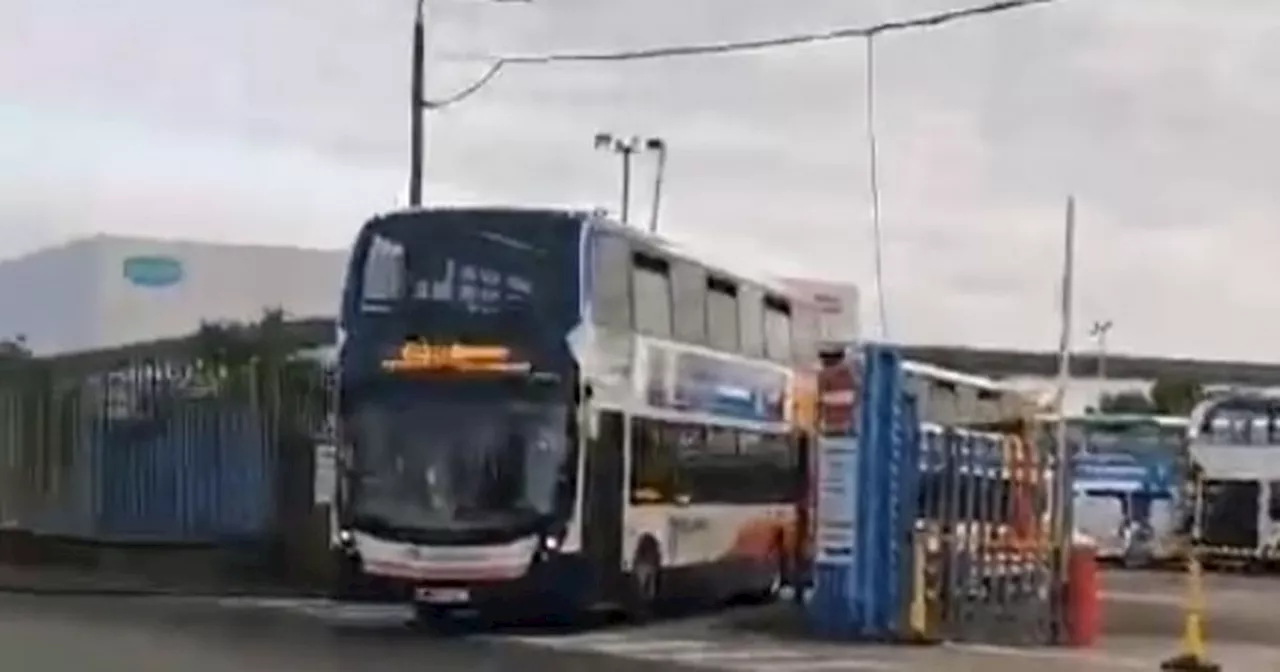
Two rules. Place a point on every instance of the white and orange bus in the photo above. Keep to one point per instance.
(542, 408)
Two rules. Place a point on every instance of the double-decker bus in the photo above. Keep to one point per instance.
(949, 397)
(1128, 472)
(542, 408)
(1234, 443)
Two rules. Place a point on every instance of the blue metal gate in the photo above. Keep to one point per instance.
(866, 499)
(931, 532)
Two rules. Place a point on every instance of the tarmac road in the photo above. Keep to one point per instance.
(103, 634)
(110, 634)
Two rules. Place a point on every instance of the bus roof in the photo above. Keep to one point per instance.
(1172, 421)
(957, 378)
(686, 252)
(600, 219)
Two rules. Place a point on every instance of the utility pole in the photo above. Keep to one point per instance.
(1063, 531)
(417, 100)
(418, 103)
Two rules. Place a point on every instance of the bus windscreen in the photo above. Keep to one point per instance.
(462, 279)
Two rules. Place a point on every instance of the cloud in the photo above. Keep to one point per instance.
(1157, 114)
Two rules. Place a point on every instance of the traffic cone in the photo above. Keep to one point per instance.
(1195, 655)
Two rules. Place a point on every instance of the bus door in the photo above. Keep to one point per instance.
(602, 504)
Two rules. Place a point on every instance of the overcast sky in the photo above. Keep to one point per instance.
(284, 121)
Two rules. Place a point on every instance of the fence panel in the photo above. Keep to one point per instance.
(18, 478)
(42, 462)
(167, 443)
(200, 471)
(991, 562)
(67, 464)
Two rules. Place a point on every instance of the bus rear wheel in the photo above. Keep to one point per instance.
(644, 585)
(776, 578)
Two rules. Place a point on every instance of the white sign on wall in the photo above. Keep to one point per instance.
(837, 501)
(837, 304)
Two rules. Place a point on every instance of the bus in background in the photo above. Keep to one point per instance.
(947, 397)
(1234, 444)
(1128, 475)
(543, 409)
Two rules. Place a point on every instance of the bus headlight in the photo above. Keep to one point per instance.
(547, 549)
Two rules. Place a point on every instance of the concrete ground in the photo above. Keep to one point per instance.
(205, 634)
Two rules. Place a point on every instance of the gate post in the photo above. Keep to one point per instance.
(835, 500)
(867, 502)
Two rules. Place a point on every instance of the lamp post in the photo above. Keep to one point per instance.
(659, 147)
(1099, 332)
(626, 148)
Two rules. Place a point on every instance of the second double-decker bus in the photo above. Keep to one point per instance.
(1128, 475)
(1234, 442)
(541, 408)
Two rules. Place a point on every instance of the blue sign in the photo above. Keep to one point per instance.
(153, 271)
(1152, 475)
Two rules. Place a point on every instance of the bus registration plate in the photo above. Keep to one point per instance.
(442, 595)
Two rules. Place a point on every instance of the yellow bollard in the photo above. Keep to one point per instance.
(1195, 655)
(918, 612)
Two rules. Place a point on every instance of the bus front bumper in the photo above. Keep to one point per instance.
(553, 584)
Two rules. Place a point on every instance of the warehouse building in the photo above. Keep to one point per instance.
(107, 291)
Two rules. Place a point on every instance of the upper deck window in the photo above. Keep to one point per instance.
(651, 282)
(777, 329)
(476, 273)
(689, 293)
(384, 270)
(611, 281)
(500, 277)
(722, 315)
(751, 314)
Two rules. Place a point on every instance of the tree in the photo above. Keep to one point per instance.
(234, 356)
(1175, 396)
(1128, 401)
(14, 348)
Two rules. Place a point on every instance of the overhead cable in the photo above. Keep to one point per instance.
(720, 48)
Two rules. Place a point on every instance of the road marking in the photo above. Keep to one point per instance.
(328, 610)
(730, 654)
(1093, 658)
(652, 648)
(1142, 598)
(831, 664)
(579, 641)
(763, 655)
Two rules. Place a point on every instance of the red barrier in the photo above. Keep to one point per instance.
(1084, 596)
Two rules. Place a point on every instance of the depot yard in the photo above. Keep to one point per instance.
(1142, 620)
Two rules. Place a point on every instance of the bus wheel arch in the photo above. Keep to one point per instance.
(775, 572)
(781, 556)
